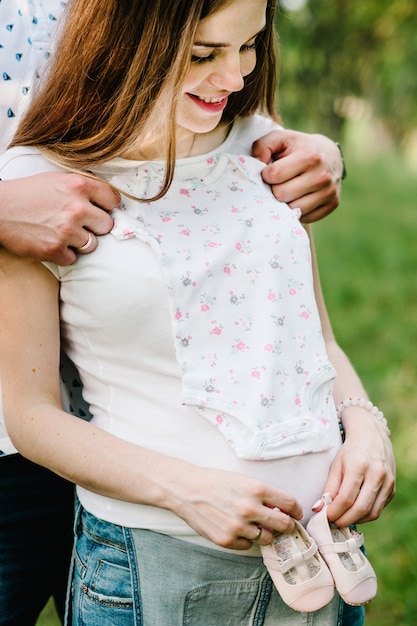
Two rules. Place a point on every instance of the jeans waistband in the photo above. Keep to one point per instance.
(98, 529)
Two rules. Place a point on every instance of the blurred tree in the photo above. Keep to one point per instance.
(337, 54)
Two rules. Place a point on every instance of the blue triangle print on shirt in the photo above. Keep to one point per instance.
(18, 56)
(9, 27)
(10, 113)
(6, 76)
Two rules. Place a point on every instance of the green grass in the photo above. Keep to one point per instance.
(368, 262)
(49, 616)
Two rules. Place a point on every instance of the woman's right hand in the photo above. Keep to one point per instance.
(362, 477)
(228, 508)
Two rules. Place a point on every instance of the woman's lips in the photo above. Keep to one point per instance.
(212, 105)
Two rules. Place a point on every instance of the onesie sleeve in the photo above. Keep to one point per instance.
(247, 130)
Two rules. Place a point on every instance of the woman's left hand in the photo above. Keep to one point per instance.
(304, 170)
(362, 477)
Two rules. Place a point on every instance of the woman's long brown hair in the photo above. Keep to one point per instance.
(111, 63)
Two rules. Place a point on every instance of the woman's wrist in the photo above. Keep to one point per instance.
(363, 403)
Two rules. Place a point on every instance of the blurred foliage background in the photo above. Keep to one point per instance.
(348, 70)
(345, 59)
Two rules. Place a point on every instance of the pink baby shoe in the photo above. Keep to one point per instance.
(353, 575)
(297, 570)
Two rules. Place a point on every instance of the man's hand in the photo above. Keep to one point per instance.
(48, 216)
(304, 170)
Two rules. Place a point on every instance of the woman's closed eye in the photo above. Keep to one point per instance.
(197, 59)
(247, 47)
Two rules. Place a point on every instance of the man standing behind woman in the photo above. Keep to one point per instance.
(192, 142)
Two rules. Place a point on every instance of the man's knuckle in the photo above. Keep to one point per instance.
(324, 178)
(246, 510)
(78, 183)
(312, 157)
(53, 250)
(76, 211)
(65, 232)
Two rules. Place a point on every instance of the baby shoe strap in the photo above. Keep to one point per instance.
(351, 546)
(297, 559)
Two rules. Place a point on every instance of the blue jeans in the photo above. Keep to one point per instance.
(351, 615)
(125, 577)
(36, 512)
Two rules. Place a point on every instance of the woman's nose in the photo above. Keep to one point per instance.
(229, 76)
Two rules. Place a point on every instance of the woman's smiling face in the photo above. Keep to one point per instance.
(224, 52)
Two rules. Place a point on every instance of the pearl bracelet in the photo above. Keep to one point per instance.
(366, 404)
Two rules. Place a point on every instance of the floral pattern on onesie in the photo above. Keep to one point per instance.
(245, 323)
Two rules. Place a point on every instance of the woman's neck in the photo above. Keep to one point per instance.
(188, 145)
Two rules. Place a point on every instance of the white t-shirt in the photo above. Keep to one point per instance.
(123, 335)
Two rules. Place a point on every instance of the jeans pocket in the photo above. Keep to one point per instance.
(102, 585)
(230, 603)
